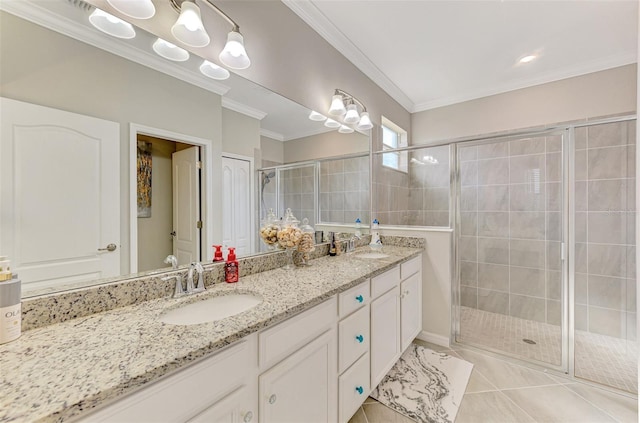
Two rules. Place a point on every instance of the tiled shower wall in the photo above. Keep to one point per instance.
(511, 223)
(605, 279)
(418, 196)
(344, 190)
(297, 192)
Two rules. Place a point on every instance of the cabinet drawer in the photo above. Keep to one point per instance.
(353, 338)
(410, 267)
(384, 282)
(353, 299)
(194, 389)
(285, 338)
(353, 388)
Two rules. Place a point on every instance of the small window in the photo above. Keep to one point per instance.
(393, 137)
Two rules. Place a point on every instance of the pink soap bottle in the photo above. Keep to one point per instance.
(217, 256)
(231, 272)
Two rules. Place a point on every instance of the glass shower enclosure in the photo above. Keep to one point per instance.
(545, 230)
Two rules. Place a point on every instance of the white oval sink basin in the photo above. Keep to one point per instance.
(212, 309)
(372, 255)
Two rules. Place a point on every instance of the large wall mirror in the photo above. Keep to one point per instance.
(182, 147)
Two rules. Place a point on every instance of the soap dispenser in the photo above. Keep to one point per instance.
(375, 236)
(231, 271)
(217, 256)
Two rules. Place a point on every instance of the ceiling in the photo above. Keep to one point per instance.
(427, 54)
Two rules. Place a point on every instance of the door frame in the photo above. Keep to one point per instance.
(206, 184)
(252, 195)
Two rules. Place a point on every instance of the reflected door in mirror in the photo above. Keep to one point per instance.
(60, 194)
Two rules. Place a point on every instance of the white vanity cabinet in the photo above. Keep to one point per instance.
(221, 386)
(353, 350)
(396, 315)
(298, 368)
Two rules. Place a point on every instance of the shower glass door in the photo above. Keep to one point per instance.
(605, 345)
(510, 231)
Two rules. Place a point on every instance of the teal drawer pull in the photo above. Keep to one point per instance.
(360, 298)
(359, 389)
(360, 338)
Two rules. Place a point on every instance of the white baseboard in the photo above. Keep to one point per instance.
(434, 338)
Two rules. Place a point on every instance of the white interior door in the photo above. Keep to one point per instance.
(60, 194)
(186, 205)
(236, 208)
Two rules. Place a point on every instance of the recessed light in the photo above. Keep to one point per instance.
(527, 59)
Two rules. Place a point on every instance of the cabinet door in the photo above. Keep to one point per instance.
(411, 306)
(302, 388)
(385, 334)
(231, 409)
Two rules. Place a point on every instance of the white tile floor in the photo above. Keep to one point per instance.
(598, 358)
(500, 391)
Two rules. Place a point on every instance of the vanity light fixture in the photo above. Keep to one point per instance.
(170, 51)
(344, 129)
(214, 71)
(111, 25)
(190, 31)
(351, 112)
(317, 116)
(137, 9)
(330, 123)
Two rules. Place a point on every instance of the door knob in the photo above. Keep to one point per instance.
(110, 247)
(272, 399)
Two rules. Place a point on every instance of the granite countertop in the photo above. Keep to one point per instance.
(55, 372)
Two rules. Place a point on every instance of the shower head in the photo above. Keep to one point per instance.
(266, 178)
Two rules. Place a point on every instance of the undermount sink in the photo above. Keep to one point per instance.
(372, 255)
(211, 309)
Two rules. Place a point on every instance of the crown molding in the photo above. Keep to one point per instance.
(313, 17)
(63, 25)
(574, 71)
(270, 134)
(236, 106)
(311, 133)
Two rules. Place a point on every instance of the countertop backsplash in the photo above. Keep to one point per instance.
(62, 306)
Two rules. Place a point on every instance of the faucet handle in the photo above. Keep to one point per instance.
(179, 292)
(171, 259)
(200, 271)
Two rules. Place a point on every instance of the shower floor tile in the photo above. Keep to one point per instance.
(602, 359)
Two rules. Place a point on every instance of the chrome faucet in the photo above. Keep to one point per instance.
(351, 244)
(171, 259)
(200, 270)
(179, 292)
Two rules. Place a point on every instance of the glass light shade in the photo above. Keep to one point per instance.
(189, 29)
(111, 25)
(330, 123)
(365, 122)
(337, 106)
(352, 115)
(344, 129)
(137, 9)
(170, 51)
(317, 116)
(234, 55)
(213, 71)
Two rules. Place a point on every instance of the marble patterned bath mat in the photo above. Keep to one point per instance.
(424, 385)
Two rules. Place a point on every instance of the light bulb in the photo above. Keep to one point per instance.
(170, 51)
(111, 25)
(330, 123)
(352, 114)
(137, 9)
(234, 55)
(337, 106)
(189, 29)
(213, 71)
(365, 122)
(317, 116)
